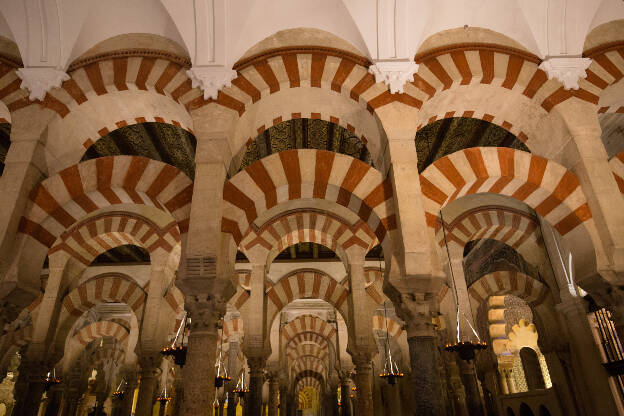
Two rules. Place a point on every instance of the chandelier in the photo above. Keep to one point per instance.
(391, 369)
(465, 349)
(177, 352)
(118, 394)
(241, 389)
(51, 379)
(222, 374)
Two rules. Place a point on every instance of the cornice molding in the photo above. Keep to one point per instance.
(293, 50)
(474, 46)
(129, 53)
(604, 48)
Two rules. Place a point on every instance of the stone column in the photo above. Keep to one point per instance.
(199, 371)
(414, 309)
(283, 399)
(54, 400)
(256, 381)
(273, 393)
(29, 387)
(469, 380)
(150, 370)
(345, 390)
(393, 400)
(363, 372)
(596, 392)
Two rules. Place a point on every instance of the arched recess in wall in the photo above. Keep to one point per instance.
(305, 133)
(532, 369)
(449, 135)
(164, 142)
(525, 410)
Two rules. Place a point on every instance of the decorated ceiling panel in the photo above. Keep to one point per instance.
(450, 135)
(305, 133)
(159, 141)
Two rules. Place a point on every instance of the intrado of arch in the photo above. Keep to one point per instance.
(303, 350)
(299, 174)
(306, 284)
(309, 363)
(304, 323)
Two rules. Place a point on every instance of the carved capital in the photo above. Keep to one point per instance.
(415, 310)
(205, 311)
(150, 363)
(395, 73)
(568, 70)
(40, 80)
(211, 79)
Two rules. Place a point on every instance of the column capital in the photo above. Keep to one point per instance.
(394, 72)
(40, 80)
(567, 69)
(205, 311)
(415, 310)
(149, 361)
(211, 79)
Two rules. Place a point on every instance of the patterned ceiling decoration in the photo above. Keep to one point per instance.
(128, 253)
(304, 133)
(485, 256)
(5, 142)
(159, 141)
(449, 135)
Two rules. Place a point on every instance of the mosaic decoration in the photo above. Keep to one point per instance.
(128, 253)
(305, 133)
(5, 142)
(485, 256)
(450, 135)
(159, 141)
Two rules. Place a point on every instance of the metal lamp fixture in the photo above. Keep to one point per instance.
(177, 352)
(51, 379)
(391, 369)
(241, 389)
(222, 374)
(464, 349)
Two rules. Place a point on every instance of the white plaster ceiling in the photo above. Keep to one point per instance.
(52, 33)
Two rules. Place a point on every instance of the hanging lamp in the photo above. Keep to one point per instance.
(51, 379)
(177, 352)
(118, 394)
(240, 388)
(464, 349)
(391, 369)
(222, 374)
(215, 402)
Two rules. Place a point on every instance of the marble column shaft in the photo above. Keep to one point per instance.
(364, 396)
(199, 372)
(345, 402)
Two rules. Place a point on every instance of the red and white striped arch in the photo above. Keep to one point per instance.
(309, 363)
(606, 69)
(617, 166)
(306, 382)
(464, 65)
(525, 287)
(307, 323)
(302, 350)
(306, 284)
(514, 228)
(103, 289)
(96, 235)
(61, 200)
(318, 227)
(298, 174)
(232, 328)
(11, 95)
(549, 188)
(308, 337)
(394, 329)
(98, 330)
(374, 284)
